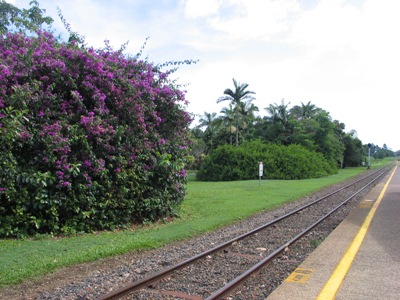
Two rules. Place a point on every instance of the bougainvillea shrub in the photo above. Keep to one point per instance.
(90, 139)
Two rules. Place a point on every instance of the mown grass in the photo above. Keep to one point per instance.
(208, 205)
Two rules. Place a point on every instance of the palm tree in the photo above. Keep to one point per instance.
(279, 127)
(210, 122)
(305, 111)
(279, 113)
(228, 120)
(207, 120)
(236, 97)
(248, 117)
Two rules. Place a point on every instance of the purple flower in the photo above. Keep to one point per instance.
(87, 163)
(24, 135)
(86, 120)
(5, 72)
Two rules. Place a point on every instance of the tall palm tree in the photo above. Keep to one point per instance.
(236, 97)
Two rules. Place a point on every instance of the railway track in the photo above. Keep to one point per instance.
(232, 269)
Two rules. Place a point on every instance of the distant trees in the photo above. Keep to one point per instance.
(305, 124)
(379, 152)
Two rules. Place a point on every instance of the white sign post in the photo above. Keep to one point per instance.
(260, 171)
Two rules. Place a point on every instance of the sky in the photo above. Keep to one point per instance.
(341, 55)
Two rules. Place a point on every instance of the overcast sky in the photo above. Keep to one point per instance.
(341, 55)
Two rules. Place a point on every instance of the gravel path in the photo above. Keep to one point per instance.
(87, 281)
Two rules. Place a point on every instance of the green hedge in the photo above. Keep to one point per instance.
(280, 162)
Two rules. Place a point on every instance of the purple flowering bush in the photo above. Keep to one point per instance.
(90, 139)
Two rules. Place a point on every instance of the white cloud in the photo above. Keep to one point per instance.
(203, 8)
(98, 23)
(342, 55)
(252, 19)
(329, 24)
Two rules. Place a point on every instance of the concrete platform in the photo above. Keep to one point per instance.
(360, 259)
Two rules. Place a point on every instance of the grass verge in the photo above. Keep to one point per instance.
(208, 205)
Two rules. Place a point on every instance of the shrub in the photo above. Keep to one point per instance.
(90, 138)
(280, 162)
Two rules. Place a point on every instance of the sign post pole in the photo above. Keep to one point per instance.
(369, 156)
(260, 172)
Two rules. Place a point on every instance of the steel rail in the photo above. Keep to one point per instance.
(235, 283)
(141, 283)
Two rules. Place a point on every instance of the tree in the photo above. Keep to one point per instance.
(304, 133)
(228, 120)
(380, 153)
(248, 110)
(279, 113)
(13, 18)
(353, 153)
(236, 97)
(198, 148)
(210, 122)
(328, 139)
(305, 111)
(279, 120)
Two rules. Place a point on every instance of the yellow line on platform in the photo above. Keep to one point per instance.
(335, 281)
